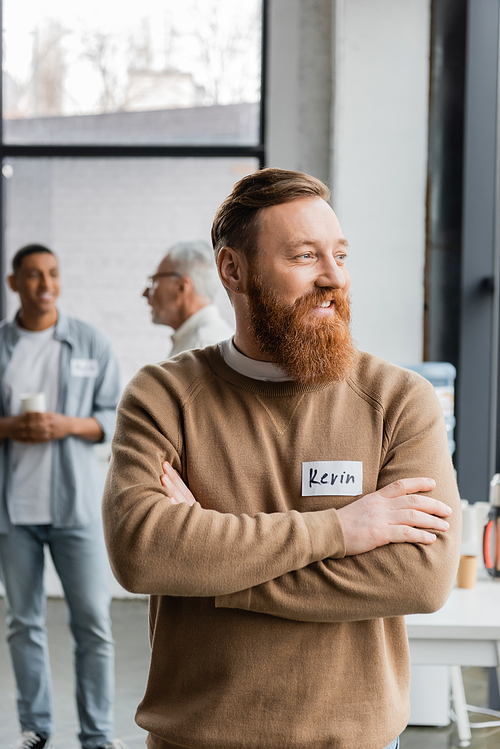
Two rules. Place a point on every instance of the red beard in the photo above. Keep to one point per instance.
(312, 352)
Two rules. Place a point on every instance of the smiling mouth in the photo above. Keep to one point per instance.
(326, 304)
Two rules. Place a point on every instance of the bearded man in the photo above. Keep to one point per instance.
(284, 499)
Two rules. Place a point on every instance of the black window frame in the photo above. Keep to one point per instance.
(478, 396)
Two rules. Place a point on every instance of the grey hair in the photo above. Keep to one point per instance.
(196, 260)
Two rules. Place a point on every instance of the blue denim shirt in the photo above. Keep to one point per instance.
(84, 391)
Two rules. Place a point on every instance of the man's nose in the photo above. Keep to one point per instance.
(331, 274)
(145, 293)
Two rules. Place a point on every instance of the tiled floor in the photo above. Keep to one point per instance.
(132, 657)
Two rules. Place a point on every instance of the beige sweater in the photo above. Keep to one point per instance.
(263, 633)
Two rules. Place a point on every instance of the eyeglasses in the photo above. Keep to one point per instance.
(151, 280)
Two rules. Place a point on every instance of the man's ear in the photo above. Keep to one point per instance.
(184, 285)
(11, 280)
(232, 269)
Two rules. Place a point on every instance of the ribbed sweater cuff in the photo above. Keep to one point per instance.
(326, 535)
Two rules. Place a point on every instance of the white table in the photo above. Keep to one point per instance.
(465, 632)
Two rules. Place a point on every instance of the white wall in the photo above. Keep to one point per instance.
(361, 67)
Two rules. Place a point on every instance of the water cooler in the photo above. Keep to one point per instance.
(442, 376)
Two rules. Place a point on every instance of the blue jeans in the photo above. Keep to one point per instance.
(79, 557)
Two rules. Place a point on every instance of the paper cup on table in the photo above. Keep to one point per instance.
(467, 571)
(33, 402)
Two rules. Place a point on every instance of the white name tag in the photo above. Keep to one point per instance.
(84, 367)
(332, 477)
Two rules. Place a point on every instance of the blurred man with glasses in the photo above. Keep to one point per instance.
(181, 295)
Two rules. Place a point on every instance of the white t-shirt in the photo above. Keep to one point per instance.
(34, 368)
(257, 370)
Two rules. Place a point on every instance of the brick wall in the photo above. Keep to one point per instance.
(109, 221)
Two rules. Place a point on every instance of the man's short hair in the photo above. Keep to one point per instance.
(236, 223)
(195, 259)
(28, 249)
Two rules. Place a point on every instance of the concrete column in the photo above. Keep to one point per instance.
(379, 136)
(299, 86)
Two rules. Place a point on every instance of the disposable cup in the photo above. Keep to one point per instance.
(467, 571)
(33, 402)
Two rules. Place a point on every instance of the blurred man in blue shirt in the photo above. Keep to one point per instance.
(51, 496)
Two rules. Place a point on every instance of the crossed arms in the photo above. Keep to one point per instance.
(393, 515)
(387, 554)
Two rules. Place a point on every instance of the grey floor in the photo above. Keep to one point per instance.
(130, 629)
(132, 656)
(476, 693)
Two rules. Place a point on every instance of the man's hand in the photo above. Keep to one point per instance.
(177, 489)
(392, 515)
(33, 427)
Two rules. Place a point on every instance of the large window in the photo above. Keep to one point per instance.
(124, 127)
(155, 71)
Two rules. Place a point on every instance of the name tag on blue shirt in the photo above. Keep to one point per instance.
(332, 477)
(84, 367)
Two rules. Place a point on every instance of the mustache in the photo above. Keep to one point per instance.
(316, 297)
(301, 306)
